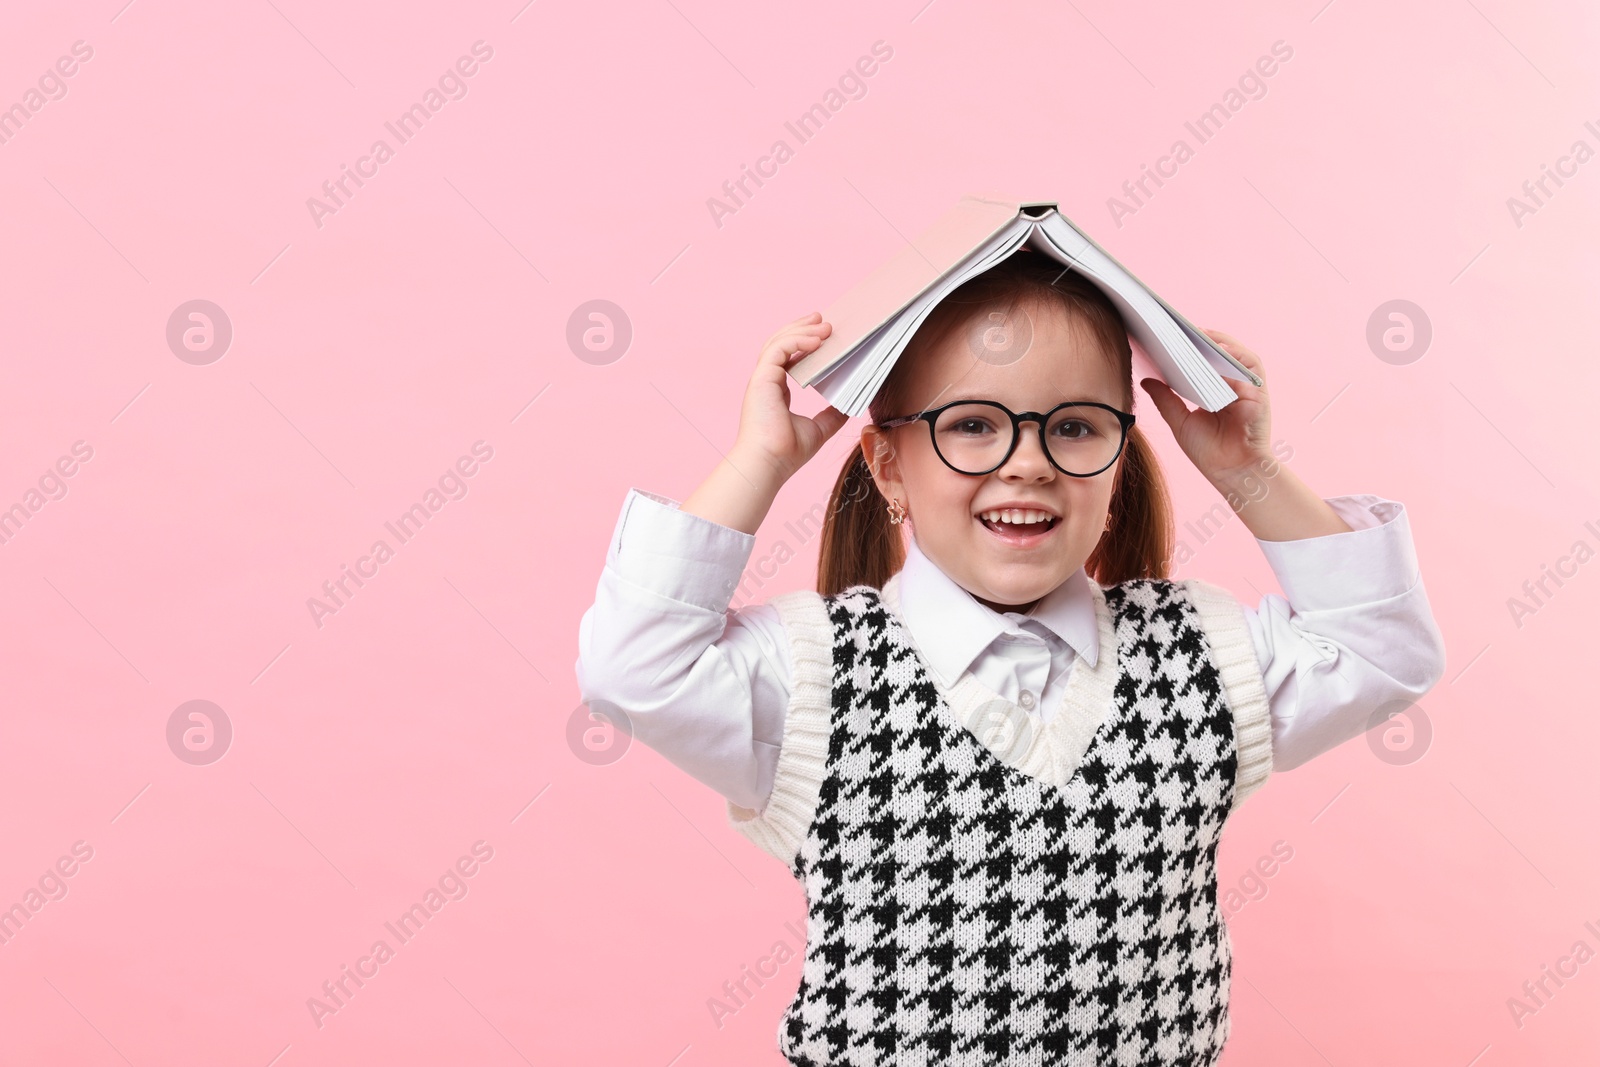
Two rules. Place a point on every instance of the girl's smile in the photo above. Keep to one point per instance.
(1020, 523)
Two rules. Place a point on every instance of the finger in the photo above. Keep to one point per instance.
(792, 343)
(1239, 351)
(1224, 340)
(1231, 343)
(1250, 360)
(785, 348)
(815, 329)
(829, 419)
(1246, 357)
(804, 322)
(1171, 406)
(804, 327)
(777, 363)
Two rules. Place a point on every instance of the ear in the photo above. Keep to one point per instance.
(877, 446)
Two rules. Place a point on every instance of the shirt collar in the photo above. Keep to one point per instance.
(951, 627)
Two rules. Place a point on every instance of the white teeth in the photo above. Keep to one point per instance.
(1016, 516)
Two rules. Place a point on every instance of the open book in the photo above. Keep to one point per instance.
(873, 322)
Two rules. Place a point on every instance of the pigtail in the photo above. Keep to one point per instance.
(1139, 542)
(859, 544)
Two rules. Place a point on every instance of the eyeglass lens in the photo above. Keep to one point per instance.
(974, 438)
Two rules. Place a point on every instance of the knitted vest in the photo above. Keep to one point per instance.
(1045, 909)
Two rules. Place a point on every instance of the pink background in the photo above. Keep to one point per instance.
(430, 312)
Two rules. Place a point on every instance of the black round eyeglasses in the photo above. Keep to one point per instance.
(1081, 438)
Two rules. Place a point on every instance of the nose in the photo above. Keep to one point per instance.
(1028, 461)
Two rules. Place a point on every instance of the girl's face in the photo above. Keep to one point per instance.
(944, 507)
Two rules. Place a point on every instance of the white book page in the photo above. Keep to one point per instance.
(1148, 322)
(1189, 359)
(1199, 363)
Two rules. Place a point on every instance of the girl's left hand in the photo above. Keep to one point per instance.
(1221, 443)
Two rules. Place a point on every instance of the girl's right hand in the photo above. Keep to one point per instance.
(768, 430)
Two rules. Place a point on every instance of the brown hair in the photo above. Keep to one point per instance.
(859, 544)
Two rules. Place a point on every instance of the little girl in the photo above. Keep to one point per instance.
(999, 754)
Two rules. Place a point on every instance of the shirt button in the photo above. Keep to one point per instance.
(1027, 699)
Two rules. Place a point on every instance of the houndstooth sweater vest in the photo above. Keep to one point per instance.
(982, 889)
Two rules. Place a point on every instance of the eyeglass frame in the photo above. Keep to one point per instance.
(1126, 419)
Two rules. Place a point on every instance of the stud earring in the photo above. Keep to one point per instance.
(897, 512)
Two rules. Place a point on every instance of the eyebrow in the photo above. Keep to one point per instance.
(1071, 399)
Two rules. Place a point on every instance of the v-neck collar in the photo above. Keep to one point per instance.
(1051, 751)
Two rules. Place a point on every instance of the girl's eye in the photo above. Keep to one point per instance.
(1074, 429)
(971, 426)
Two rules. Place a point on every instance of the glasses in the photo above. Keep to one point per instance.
(1081, 437)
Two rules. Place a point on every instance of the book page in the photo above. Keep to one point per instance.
(1204, 347)
(1147, 321)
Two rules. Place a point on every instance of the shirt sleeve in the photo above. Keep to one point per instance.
(704, 686)
(1352, 632)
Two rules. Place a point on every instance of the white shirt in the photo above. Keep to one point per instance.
(708, 687)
